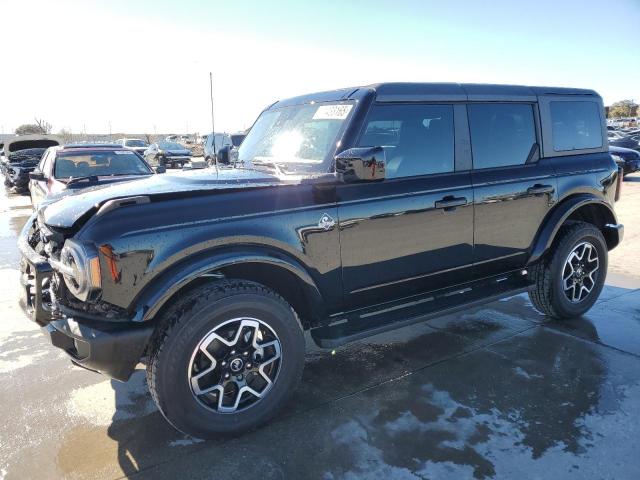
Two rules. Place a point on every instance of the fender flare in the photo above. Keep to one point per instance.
(155, 295)
(558, 216)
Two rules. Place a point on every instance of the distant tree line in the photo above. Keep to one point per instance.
(39, 127)
(623, 109)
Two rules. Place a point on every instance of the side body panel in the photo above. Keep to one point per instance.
(395, 242)
(508, 213)
(281, 220)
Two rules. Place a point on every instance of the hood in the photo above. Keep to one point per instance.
(23, 142)
(614, 149)
(181, 152)
(64, 213)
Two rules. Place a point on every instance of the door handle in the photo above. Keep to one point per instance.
(449, 203)
(538, 189)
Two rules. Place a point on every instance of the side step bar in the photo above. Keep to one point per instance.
(389, 316)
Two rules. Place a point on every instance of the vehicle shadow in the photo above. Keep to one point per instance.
(454, 392)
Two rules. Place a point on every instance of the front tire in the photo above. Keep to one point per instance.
(225, 358)
(569, 279)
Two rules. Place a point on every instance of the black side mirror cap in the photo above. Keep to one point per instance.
(361, 164)
(161, 169)
(37, 175)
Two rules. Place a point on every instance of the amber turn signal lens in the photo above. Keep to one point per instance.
(94, 272)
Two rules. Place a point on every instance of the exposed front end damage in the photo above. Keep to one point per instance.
(95, 335)
(21, 156)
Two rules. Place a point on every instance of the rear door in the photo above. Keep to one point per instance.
(514, 189)
(413, 231)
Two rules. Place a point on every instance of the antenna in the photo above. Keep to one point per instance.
(213, 127)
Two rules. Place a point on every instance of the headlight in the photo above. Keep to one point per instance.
(81, 270)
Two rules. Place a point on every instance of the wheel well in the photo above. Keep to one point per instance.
(280, 280)
(597, 215)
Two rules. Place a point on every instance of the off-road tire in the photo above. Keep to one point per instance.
(546, 292)
(186, 322)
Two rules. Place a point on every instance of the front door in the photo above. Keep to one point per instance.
(413, 231)
(39, 189)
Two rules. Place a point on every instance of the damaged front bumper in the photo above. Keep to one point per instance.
(18, 174)
(108, 347)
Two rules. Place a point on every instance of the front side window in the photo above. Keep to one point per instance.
(417, 139)
(502, 134)
(576, 125)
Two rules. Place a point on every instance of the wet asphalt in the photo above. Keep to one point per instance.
(498, 391)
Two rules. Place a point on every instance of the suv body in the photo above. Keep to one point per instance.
(356, 211)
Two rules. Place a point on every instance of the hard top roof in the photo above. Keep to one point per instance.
(92, 148)
(402, 91)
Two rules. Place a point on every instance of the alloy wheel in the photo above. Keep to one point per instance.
(580, 272)
(235, 365)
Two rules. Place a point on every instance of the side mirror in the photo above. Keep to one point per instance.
(37, 175)
(161, 169)
(362, 164)
(223, 155)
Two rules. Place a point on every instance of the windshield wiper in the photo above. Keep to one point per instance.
(269, 164)
(127, 174)
(92, 178)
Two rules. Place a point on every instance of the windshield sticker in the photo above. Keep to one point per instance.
(332, 112)
(120, 152)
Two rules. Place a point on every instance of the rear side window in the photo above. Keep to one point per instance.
(502, 134)
(417, 139)
(576, 126)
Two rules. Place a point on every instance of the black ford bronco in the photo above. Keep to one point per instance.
(348, 213)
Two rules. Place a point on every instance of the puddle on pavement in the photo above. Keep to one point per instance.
(10, 227)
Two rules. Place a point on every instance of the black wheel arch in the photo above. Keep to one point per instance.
(585, 207)
(274, 269)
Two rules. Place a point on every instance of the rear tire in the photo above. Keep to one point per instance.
(189, 355)
(569, 279)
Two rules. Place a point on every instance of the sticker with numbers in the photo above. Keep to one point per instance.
(332, 112)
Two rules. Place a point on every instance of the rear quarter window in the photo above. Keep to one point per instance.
(575, 125)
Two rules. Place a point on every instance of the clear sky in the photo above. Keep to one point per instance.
(142, 66)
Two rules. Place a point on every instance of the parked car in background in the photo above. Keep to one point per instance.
(135, 144)
(167, 154)
(210, 150)
(64, 170)
(21, 155)
(618, 139)
(627, 158)
(358, 211)
(225, 145)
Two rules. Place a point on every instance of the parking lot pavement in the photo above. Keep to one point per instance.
(493, 392)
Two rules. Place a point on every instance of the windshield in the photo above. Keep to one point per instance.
(135, 143)
(300, 134)
(170, 146)
(82, 164)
